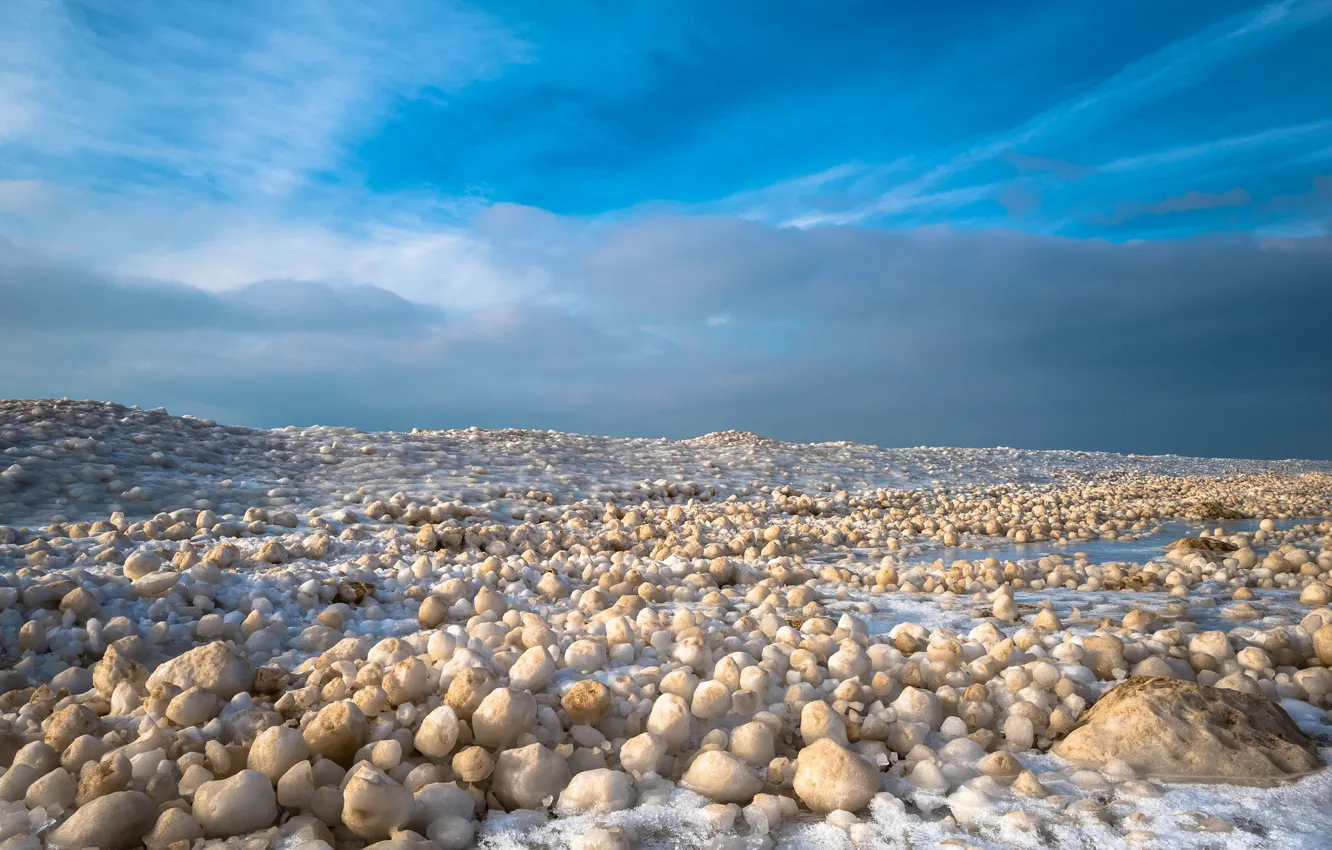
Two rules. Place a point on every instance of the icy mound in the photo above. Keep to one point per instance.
(82, 459)
(731, 438)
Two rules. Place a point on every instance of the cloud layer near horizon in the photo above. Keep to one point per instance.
(671, 325)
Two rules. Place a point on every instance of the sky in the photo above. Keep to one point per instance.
(1082, 225)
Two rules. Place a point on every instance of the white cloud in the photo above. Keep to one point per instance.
(192, 141)
(220, 246)
(17, 110)
(444, 267)
(243, 98)
(1176, 66)
(26, 197)
(1220, 147)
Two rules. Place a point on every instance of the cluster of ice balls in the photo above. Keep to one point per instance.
(400, 671)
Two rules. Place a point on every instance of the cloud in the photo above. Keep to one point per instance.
(59, 298)
(220, 246)
(933, 335)
(1301, 214)
(1018, 200)
(1175, 67)
(1191, 201)
(1317, 199)
(1204, 150)
(46, 296)
(245, 97)
(433, 265)
(286, 305)
(1028, 164)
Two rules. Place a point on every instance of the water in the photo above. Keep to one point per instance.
(1147, 547)
(1207, 604)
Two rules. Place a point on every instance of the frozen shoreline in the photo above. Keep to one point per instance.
(89, 459)
(714, 592)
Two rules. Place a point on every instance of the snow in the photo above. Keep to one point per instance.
(157, 463)
(175, 460)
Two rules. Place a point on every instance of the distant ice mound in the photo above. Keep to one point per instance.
(64, 460)
(732, 438)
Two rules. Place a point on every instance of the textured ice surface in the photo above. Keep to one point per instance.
(80, 459)
(80, 462)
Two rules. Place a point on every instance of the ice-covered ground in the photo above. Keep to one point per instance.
(746, 578)
(79, 460)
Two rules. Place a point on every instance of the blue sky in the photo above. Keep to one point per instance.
(1080, 225)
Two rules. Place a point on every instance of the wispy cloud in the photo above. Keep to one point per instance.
(1028, 164)
(789, 198)
(248, 97)
(1218, 147)
(223, 245)
(1175, 67)
(208, 143)
(906, 198)
(1191, 201)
